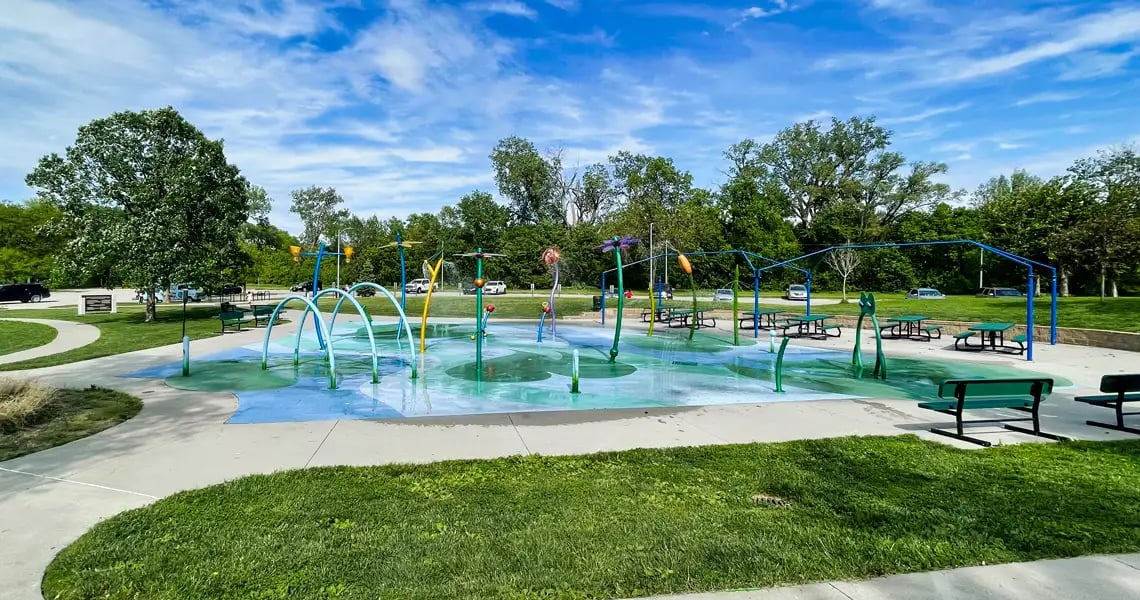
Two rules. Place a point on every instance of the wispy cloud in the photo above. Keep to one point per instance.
(926, 114)
(759, 12)
(567, 5)
(1044, 97)
(512, 8)
(1094, 65)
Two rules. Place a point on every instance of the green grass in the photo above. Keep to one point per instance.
(72, 414)
(615, 524)
(125, 331)
(16, 336)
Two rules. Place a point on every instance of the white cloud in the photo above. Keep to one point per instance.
(1009, 145)
(567, 5)
(1044, 97)
(926, 114)
(1094, 65)
(504, 7)
(955, 147)
(774, 8)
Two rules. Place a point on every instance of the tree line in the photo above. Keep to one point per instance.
(145, 199)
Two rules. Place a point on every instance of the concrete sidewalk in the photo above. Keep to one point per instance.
(69, 336)
(1099, 577)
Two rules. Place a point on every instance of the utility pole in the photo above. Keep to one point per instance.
(981, 262)
(338, 258)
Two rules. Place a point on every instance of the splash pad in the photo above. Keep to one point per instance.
(520, 375)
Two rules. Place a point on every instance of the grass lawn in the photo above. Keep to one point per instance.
(16, 336)
(615, 524)
(125, 331)
(71, 415)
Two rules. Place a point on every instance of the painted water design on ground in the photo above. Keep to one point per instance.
(521, 375)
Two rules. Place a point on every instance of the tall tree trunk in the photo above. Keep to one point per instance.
(151, 304)
(1114, 292)
(1064, 284)
(845, 289)
(1103, 274)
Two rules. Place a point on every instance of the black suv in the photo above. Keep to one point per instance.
(23, 292)
(307, 286)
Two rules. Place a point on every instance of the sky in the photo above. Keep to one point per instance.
(397, 103)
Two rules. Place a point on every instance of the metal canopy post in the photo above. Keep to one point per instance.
(603, 297)
(755, 303)
(1053, 314)
(1029, 318)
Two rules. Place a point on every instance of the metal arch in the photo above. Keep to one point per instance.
(392, 299)
(309, 304)
(332, 324)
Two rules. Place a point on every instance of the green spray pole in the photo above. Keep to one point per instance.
(620, 306)
(736, 306)
(479, 315)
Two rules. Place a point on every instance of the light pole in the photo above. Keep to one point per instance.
(652, 280)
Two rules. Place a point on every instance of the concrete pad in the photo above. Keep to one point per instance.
(583, 432)
(69, 336)
(1097, 577)
(816, 591)
(1132, 560)
(355, 442)
(38, 518)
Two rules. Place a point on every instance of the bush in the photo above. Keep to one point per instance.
(24, 403)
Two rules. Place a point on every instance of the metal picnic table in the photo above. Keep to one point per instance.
(767, 318)
(911, 324)
(681, 317)
(995, 331)
(809, 324)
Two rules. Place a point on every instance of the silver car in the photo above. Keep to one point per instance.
(722, 295)
(924, 294)
(796, 292)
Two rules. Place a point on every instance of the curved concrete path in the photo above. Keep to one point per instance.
(69, 336)
(181, 440)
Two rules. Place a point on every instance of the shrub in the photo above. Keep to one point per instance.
(24, 403)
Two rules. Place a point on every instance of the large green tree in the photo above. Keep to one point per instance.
(145, 199)
(321, 213)
(530, 183)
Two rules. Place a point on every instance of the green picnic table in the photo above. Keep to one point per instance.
(813, 324)
(766, 318)
(994, 331)
(682, 316)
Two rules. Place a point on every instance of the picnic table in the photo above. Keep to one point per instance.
(661, 314)
(813, 325)
(681, 318)
(767, 318)
(994, 331)
(910, 326)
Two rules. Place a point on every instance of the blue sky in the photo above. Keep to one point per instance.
(397, 103)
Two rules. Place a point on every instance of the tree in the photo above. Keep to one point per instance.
(844, 261)
(145, 198)
(528, 181)
(318, 209)
(260, 204)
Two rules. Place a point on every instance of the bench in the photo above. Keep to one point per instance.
(232, 319)
(1019, 339)
(890, 326)
(963, 337)
(929, 331)
(261, 313)
(826, 329)
(1118, 389)
(960, 395)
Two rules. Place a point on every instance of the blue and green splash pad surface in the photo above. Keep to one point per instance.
(522, 375)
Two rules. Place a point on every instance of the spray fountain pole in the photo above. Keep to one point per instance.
(480, 322)
(687, 267)
(400, 244)
(320, 253)
(617, 244)
(550, 258)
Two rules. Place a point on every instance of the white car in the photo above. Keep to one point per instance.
(193, 294)
(495, 287)
(924, 294)
(419, 286)
(722, 295)
(796, 292)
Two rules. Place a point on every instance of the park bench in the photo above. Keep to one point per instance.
(1019, 339)
(960, 395)
(232, 319)
(262, 313)
(827, 329)
(964, 338)
(890, 328)
(1118, 389)
(928, 332)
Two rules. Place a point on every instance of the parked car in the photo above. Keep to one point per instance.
(665, 291)
(796, 292)
(419, 286)
(306, 286)
(722, 295)
(1000, 292)
(365, 292)
(495, 287)
(924, 294)
(191, 291)
(23, 292)
(468, 288)
(231, 289)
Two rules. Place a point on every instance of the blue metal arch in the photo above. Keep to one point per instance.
(403, 317)
(320, 323)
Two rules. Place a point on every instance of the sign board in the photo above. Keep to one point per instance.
(97, 303)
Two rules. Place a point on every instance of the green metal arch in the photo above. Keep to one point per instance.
(392, 299)
(309, 304)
